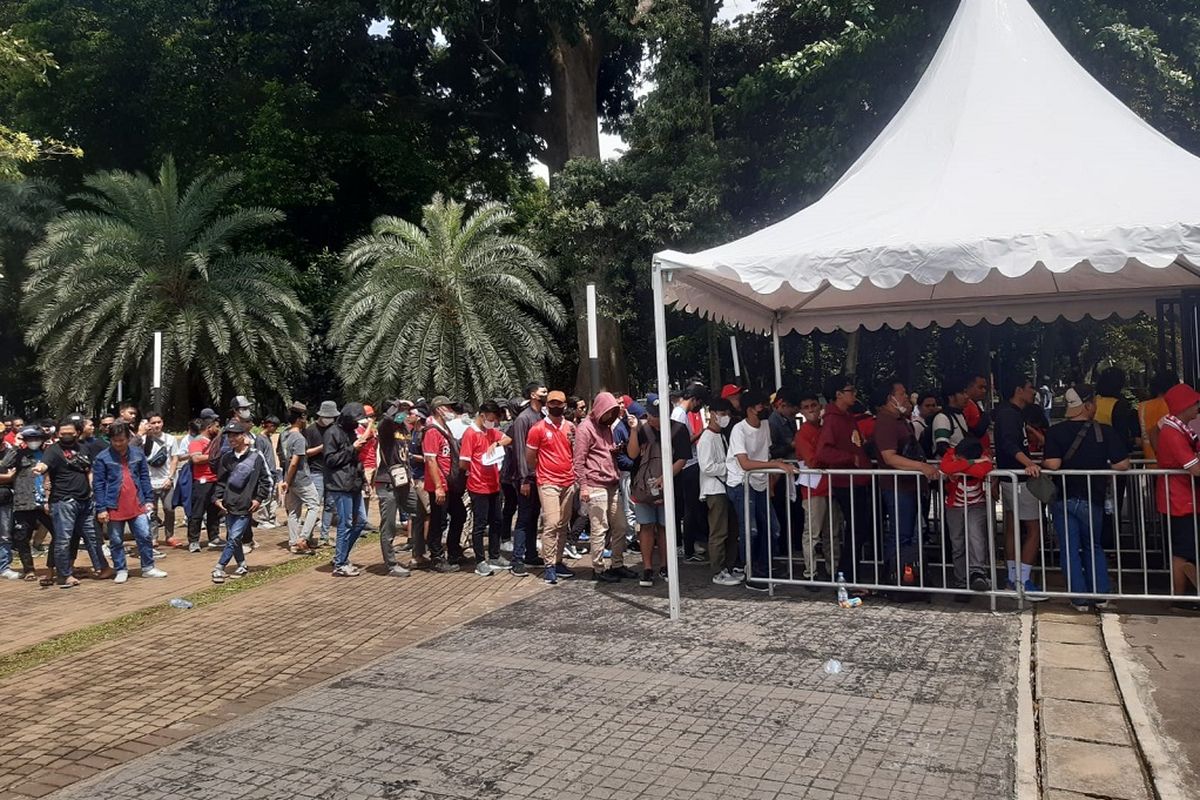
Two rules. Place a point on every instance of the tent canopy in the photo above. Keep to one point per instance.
(1011, 184)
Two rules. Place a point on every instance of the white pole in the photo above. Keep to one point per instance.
(778, 357)
(664, 417)
(157, 360)
(120, 391)
(593, 339)
(737, 365)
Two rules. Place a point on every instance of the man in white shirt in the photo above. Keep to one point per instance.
(711, 454)
(162, 456)
(749, 449)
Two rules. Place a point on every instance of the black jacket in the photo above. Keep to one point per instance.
(343, 470)
(24, 486)
(237, 501)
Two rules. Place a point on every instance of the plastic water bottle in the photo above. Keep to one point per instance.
(833, 667)
(843, 596)
(179, 602)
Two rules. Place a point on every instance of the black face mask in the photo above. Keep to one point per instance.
(556, 411)
(66, 441)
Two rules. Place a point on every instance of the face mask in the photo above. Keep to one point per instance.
(449, 416)
(244, 414)
(556, 411)
(399, 418)
(35, 445)
(488, 425)
(67, 440)
(723, 420)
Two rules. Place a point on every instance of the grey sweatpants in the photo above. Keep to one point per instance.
(970, 551)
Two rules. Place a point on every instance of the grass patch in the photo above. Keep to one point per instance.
(83, 638)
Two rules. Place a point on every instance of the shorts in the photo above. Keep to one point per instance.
(1183, 537)
(1028, 506)
(648, 514)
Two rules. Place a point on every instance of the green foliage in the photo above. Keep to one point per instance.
(455, 306)
(142, 256)
(22, 63)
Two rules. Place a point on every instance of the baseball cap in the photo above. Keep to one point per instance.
(651, 400)
(626, 400)
(635, 408)
(298, 408)
(241, 401)
(234, 427)
(1077, 398)
(441, 400)
(1181, 397)
(556, 395)
(207, 414)
(730, 390)
(32, 432)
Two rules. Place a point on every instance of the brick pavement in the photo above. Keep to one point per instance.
(589, 692)
(122, 698)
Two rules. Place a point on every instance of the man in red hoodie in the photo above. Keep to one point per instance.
(840, 446)
(599, 484)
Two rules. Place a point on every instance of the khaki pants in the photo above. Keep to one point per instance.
(603, 508)
(720, 549)
(557, 504)
(822, 520)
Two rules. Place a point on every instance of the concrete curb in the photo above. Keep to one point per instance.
(1025, 779)
(1157, 750)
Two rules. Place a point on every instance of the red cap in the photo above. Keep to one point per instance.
(729, 390)
(626, 400)
(370, 412)
(1180, 397)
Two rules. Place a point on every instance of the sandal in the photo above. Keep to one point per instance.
(46, 581)
(29, 576)
(69, 582)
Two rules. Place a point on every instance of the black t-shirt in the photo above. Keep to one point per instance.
(313, 438)
(67, 481)
(1091, 454)
(681, 439)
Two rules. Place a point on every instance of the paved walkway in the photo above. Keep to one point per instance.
(578, 691)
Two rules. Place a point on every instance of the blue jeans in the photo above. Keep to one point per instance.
(763, 524)
(75, 518)
(1079, 525)
(525, 533)
(140, 526)
(235, 528)
(901, 509)
(351, 522)
(6, 536)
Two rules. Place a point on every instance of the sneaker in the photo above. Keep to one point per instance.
(1082, 608)
(348, 571)
(726, 578)
(647, 578)
(696, 558)
(218, 575)
(216, 544)
(562, 571)
(444, 566)
(550, 576)
(755, 586)
(406, 547)
(107, 551)
(607, 576)
(680, 553)
(10, 575)
(483, 569)
(194, 547)
(606, 553)
(518, 569)
(249, 547)
(398, 572)
(534, 561)
(240, 572)
(1031, 588)
(570, 552)
(153, 572)
(499, 563)
(158, 553)
(740, 572)
(584, 537)
(980, 583)
(1101, 604)
(662, 573)
(625, 572)
(506, 546)
(122, 576)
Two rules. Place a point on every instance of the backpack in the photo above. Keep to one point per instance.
(649, 467)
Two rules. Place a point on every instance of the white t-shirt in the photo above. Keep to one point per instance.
(755, 444)
(160, 473)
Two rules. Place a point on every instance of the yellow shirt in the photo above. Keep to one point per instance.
(1149, 413)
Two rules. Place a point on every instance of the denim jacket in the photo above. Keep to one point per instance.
(106, 477)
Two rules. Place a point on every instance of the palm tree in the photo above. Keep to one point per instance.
(142, 257)
(451, 306)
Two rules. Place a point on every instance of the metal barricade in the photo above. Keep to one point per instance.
(870, 524)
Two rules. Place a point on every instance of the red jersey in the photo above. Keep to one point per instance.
(972, 414)
(805, 444)
(435, 444)
(1177, 446)
(475, 444)
(202, 473)
(368, 454)
(128, 506)
(554, 446)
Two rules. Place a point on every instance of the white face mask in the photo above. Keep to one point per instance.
(244, 413)
(723, 420)
(34, 444)
(488, 425)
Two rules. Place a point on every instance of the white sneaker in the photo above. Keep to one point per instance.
(240, 572)
(218, 575)
(726, 578)
(153, 572)
(122, 576)
(107, 552)
(571, 552)
(10, 574)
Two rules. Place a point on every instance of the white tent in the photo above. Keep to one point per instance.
(1010, 185)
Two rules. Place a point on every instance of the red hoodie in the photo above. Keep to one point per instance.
(840, 447)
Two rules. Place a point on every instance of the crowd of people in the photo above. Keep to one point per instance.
(531, 483)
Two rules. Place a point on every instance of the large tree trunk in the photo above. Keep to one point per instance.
(572, 128)
(851, 365)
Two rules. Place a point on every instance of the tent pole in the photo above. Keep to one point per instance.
(664, 411)
(778, 356)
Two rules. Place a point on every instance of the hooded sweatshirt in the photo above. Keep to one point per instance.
(594, 447)
(836, 447)
(343, 470)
